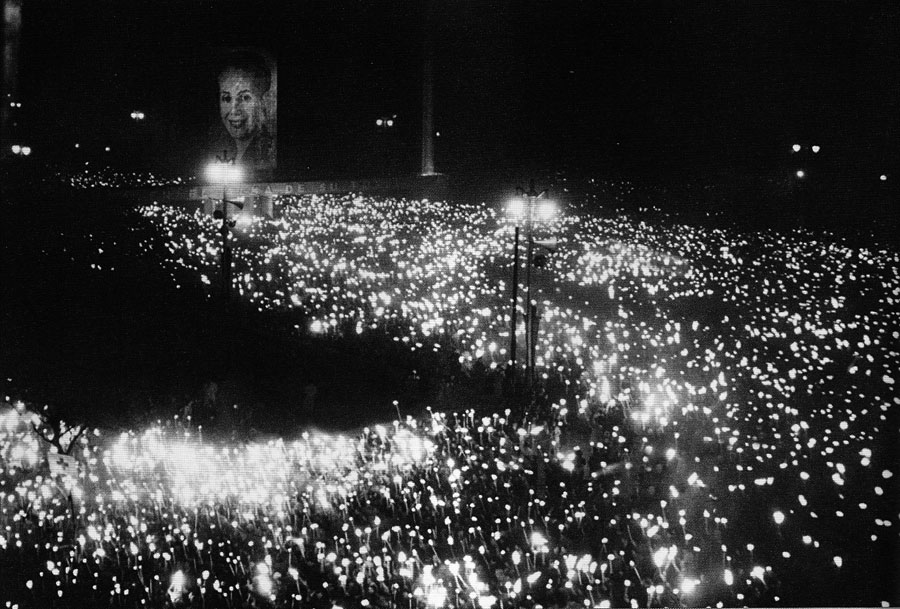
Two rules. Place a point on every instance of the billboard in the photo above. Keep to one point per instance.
(246, 104)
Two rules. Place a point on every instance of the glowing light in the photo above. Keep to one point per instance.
(486, 602)
(177, 586)
(224, 173)
(796, 147)
(515, 209)
(801, 173)
(538, 540)
(816, 148)
(659, 557)
(778, 516)
(546, 210)
(436, 596)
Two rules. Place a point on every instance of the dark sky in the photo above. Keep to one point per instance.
(516, 81)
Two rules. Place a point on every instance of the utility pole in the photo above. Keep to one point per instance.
(226, 247)
(428, 93)
(532, 197)
(225, 171)
(523, 211)
(515, 296)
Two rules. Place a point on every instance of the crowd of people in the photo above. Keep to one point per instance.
(714, 424)
(451, 508)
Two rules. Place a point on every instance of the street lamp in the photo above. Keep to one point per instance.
(225, 172)
(524, 211)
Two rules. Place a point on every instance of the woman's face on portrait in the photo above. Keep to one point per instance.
(240, 104)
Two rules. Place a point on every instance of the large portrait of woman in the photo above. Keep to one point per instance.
(246, 92)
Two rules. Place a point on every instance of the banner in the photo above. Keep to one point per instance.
(246, 85)
(275, 189)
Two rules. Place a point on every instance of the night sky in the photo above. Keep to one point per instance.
(530, 83)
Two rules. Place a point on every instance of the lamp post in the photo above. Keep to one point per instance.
(225, 172)
(524, 211)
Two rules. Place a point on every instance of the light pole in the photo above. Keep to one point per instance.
(515, 296)
(524, 211)
(225, 172)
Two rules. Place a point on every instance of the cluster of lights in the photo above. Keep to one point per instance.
(386, 121)
(137, 115)
(798, 148)
(20, 150)
(107, 177)
(783, 381)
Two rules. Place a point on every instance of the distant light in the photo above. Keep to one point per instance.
(107, 148)
(801, 173)
(390, 122)
(243, 221)
(816, 148)
(728, 577)
(547, 210)
(18, 104)
(778, 516)
(515, 209)
(797, 147)
(26, 150)
(77, 145)
(224, 173)
(379, 122)
(883, 178)
(437, 134)
(16, 149)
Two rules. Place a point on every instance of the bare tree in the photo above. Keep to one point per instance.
(58, 433)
